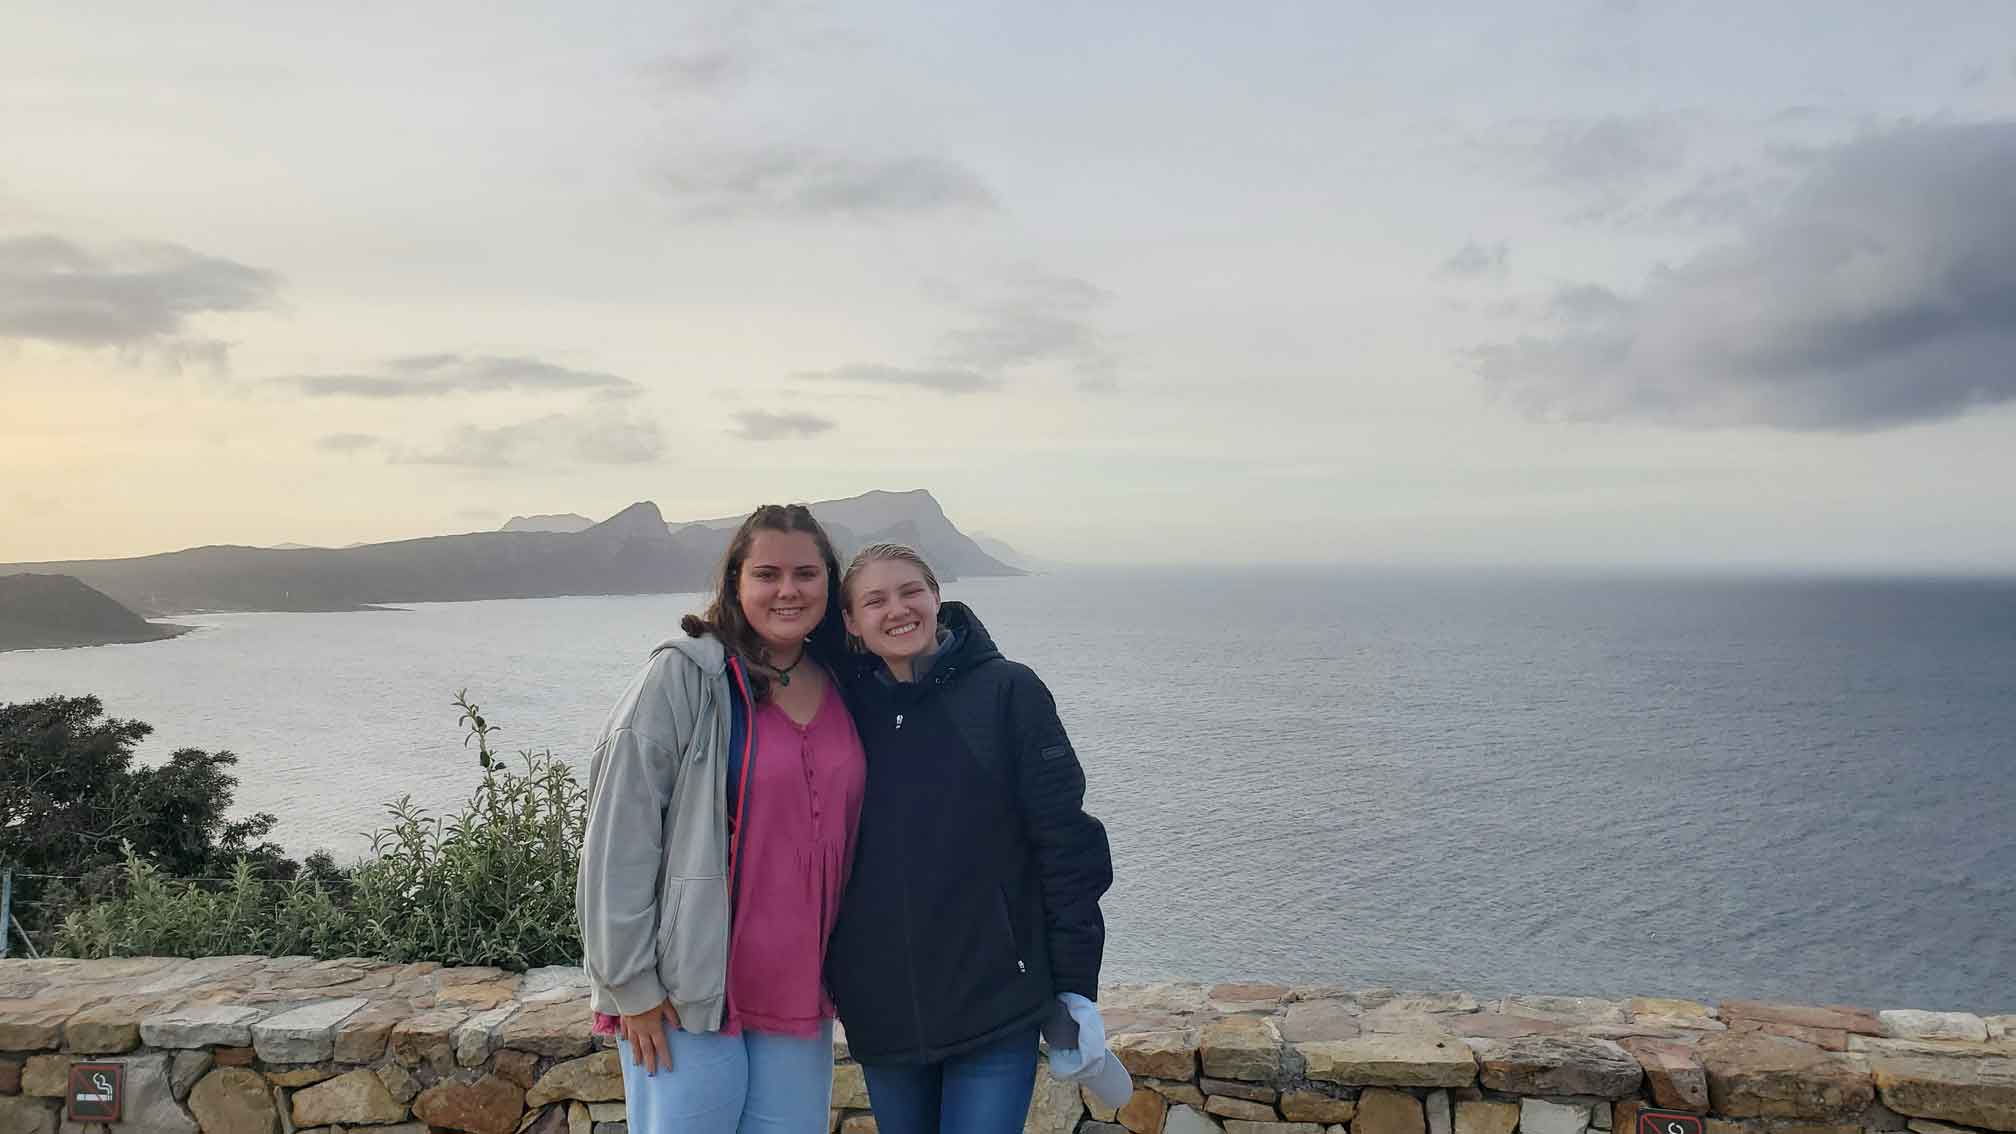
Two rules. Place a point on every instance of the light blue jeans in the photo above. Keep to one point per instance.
(753, 1083)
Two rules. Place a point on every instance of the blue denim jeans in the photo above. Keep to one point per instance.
(984, 1091)
(753, 1083)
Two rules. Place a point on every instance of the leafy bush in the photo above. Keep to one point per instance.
(71, 804)
(491, 885)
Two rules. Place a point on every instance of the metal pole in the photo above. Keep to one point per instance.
(6, 908)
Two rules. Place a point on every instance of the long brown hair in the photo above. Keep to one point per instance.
(724, 618)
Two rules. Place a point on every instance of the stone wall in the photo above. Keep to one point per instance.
(289, 1045)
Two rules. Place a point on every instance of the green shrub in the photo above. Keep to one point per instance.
(490, 885)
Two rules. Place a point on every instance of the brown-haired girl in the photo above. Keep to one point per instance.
(722, 805)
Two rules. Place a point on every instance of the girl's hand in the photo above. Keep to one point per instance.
(645, 1033)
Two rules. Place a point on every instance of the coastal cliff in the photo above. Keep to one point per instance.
(234, 1045)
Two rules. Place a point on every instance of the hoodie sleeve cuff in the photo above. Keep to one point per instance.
(640, 994)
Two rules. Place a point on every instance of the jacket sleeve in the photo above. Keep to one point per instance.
(630, 782)
(1074, 862)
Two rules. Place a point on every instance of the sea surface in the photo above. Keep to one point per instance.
(1785, 788)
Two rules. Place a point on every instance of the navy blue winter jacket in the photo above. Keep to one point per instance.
(974, 896)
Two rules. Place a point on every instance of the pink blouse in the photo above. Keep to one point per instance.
(797, 843)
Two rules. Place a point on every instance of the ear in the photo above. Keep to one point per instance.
(847, 617)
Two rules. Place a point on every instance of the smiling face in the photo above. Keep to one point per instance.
(893, 609)
(782, 589)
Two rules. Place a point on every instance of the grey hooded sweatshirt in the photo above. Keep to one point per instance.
(652, 894)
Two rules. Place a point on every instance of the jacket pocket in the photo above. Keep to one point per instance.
(693, 938)
(1008, 930)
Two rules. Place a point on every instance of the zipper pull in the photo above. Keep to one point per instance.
(899, 722)
(1020, 967)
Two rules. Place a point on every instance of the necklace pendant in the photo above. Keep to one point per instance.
(783, 678)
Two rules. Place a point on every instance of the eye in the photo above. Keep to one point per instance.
(872, 600)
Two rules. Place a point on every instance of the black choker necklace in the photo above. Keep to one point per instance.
(784, 674)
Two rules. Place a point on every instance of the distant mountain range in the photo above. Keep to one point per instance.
(45, 611)
(633, 552)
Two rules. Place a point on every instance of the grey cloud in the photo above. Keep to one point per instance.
(135, 296)
(761, 425)
(944, 379)
(345, 442)
(433, 375)
(587, 438)
(1039, 318)
(701, 68)
(1613, 153)
(799, 181)
(1882, 292)
(1474, 259)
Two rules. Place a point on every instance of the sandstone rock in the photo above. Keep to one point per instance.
(608, 1112)
(185, 975)
(560, 1031)
(474, 1037)
(1099, 1111)
(1391, 1061)
(599, 1078)
(1184, 1120)
(33, 1025)
(10, 1076)
(206, 1025)
(1146, 1112)
(1440, 1120)
(1307, 1105)
(1826, 1039)
(1669, 1009)
(46, 1076)
(1564, 1009)
(23, 1114)
(477, 996)
(1558, 1065)
(234, 1100)
(1100, 1127)
(1246, 996)
(1175, 1091)
(1242, 1126)
(1927, 1126)
(1254, 1092)
(1538, 1116)
(357, 1097)
(304, 1035)
(1675, 1076)
(489, 1105)
(234, 1056)
(1225, 1106)
(1969, 1092)
(1916, 1025)
(1320, 1020)
(1163, 1054)
(2001, 1027)
(850, 1086)
(364, 1035)
(293, 1077)
(521, 1067)
(110, 1027)
(1384, 1111)
(1830, 1017)
(858, 1124)
(1938, 1049)
(150, 1098)
(427, 1038)
(185, 1069)
(1054, 1107)
(578, 1121)
(1495, 1025)
(1761, 1076)
(399, 1082)
(554, 982)
(1482, 1117)
(1241, 1047)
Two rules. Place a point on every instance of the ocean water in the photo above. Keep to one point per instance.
(1714, 787)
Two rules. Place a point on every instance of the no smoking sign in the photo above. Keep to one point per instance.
(1668, 1122)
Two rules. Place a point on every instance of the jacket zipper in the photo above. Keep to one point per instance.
(742, 789)
(1014, 946)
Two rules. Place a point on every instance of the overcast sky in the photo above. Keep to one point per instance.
(1585, 283)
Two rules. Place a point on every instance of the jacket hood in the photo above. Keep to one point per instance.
(968, 645)
(706, 652)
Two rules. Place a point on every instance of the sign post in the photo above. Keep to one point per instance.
(97, 1092)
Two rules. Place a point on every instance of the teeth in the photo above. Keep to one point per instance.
(899, 631)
